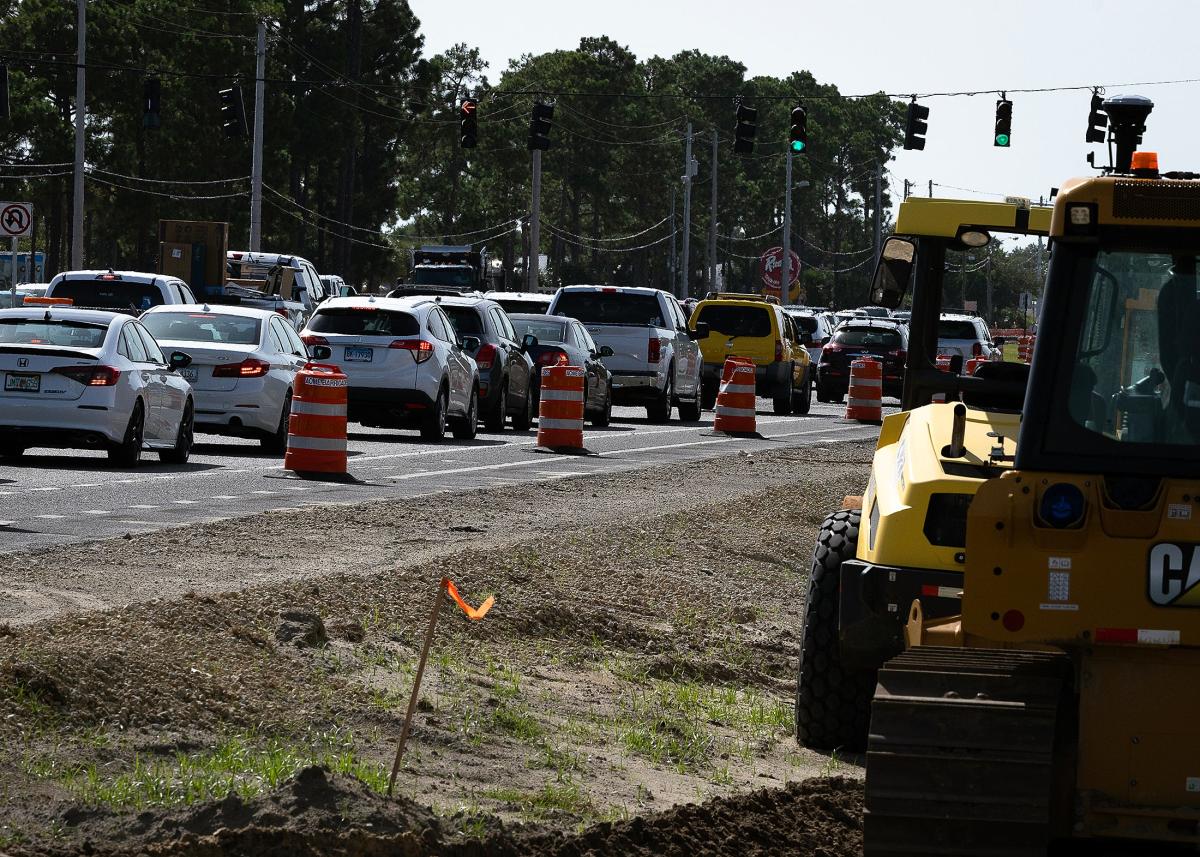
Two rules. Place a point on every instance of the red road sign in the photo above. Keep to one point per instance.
(770, 270)
(16, 219)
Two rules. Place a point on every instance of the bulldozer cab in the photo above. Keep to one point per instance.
(929, 232)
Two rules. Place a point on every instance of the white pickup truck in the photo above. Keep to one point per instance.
(655, 361)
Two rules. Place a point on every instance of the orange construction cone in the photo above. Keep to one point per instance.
(1025, 349)
(864, 402)
(317, 427)
(735, 398)
(973, 364)
(560, 411)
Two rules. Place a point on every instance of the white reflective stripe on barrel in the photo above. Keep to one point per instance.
(863, 403)
(328, 444)
(299, 406)
(859, 381)
(548, 423)
(562, 395)
(738, 388)
(725, 411)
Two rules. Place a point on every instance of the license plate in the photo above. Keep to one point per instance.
(359, 355)
(189, 374)
(22, 383)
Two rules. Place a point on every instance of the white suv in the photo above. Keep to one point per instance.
(966, 336)
(123, 291)
(405, 363)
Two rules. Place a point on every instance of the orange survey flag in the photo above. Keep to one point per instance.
(472, 612)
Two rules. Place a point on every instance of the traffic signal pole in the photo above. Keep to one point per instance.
(785, 269)
(712, 219)
(256, 160)
(80, 130)
(535, 222)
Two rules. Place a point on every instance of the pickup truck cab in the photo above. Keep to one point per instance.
(252, 271)
(655, 361)
(124, 291)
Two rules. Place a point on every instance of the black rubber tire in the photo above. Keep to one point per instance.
(182, 450)
(833, 704)
(129, 451)
(659, 411)
(433, 424)
(276, 444)
(494, 419)
(708, 394)
(604, 416)
(802, 399)
(524, 420)
(467, 426)
(689, 412)
(11, 451)
(822, 396)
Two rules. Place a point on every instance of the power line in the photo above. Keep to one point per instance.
(611, 240)
(168, 195)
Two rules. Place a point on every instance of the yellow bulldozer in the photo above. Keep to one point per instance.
(1008, 625)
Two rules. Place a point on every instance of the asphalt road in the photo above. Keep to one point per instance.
(59, 496)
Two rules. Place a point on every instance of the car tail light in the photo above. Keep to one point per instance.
(778, 350)
(89, 376)
(251, 367)
(976, 349)
(311, 339)
(485, 356)
(654, 353)
(833, 346)
(421, 349)
(553, 357)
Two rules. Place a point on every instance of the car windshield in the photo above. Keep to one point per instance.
(806, 323)
(111, 294)
(1136, 372)
(953, 329)
(735, 320)
(466, 320)
(517, 305)
(545, 331)
(868, 337)
(628, 308)
(38, 331)
(363, 321)
(203, 327)
(447, 275)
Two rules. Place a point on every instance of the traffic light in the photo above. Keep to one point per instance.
(798, 135)
(233, 114)
(467, 127)
(151, 97)
(1097, 120)
(1003, 137)
(915, 126)
(539, 126)
(744, 129)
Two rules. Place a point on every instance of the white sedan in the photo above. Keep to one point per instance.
(87, 379)
(244, 362)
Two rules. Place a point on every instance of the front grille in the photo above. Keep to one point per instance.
(1157, 200)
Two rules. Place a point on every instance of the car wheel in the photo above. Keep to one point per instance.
(433, 425)
(276, 443)
(708, 394)
(523, 420)
(781, 404)
(182, 450)
(802, 399)
(659, 411)
(467, 426)
(689, 412)
(822, 394)
(129, 450)
(833, 703)
(493, 420)
(604, 417)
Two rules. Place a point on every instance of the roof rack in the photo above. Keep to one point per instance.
(741, 296)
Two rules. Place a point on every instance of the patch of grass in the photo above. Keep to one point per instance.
(563, 762)
(517, 722)
(551, 798)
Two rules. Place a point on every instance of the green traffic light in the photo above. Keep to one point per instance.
(797, 145)
(1001, 139)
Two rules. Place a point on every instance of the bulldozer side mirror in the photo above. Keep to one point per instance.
(892, 272)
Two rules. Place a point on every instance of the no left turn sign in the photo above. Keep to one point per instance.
(16, 219)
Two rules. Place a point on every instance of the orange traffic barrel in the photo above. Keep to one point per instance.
(317, 427)
(943, 365)
(560, 411)
(1025, 349)
(973, 364)
(736, 398)
(864, 402)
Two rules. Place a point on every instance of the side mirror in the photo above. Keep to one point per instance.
(999, 341)
(606, 351)
(320, 352)
(180, 360)
(528, 342)
(701, 332)
(892, 272)
(469, 343)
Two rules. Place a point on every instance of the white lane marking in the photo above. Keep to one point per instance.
(406, 476)
(46, 488)
(297, 487)
(144, 506)
(223, 497)
(87, 485)
(49, 517)
(264, 492)
(95, 512)
(621, 452)
(140, 523)
(185, 502)
(7, 523)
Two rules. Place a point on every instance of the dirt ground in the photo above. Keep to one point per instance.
(630, 692)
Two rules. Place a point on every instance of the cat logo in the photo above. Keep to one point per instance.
(1173, 575)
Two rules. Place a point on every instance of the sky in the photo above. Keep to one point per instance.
(921, 46)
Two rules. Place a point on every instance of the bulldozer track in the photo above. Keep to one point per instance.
(961, 757)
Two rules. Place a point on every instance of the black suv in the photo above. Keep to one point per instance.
(505, 368)
(882, 339)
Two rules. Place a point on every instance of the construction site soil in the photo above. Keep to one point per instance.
(242, 684)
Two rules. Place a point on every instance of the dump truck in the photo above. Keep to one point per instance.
(1006, 620)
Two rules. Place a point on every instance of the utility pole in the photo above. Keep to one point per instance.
(80, 130)
(256, 164)
(1038, 260)
(907, 185)
(712, 218)
(688, 172)
(671, 262)
(785, 270)
(878, 209)
(988, 294)
(535, 223)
